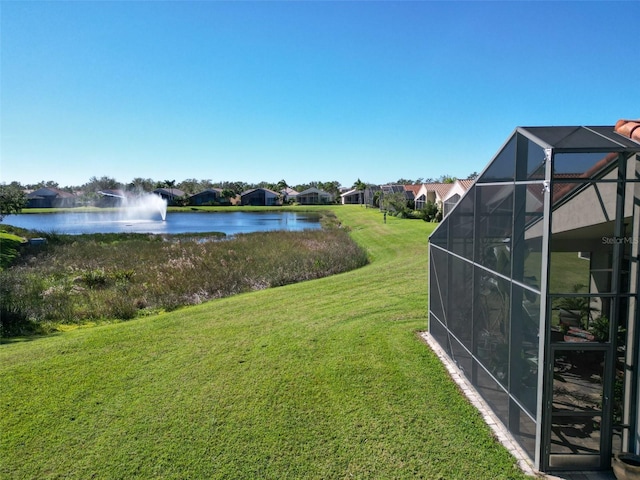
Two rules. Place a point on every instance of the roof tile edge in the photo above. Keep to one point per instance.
(629, 129)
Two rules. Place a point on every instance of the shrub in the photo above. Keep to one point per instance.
(96, 278)
(120, 306)
(14, 319)
(429, 212)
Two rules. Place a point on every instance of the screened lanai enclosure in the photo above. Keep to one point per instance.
(533, 292)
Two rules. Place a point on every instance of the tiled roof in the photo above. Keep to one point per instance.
(561, 190)
(246, 192)
(50, 192)
(629, 128)
(207, 191)
(173, 192)
(440, 188)
(313, 190)
(63, 194)
(466, 184)
(412, 188)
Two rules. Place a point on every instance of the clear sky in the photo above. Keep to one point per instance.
(300, 91)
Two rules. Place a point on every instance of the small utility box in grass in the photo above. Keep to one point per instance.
(37, 241)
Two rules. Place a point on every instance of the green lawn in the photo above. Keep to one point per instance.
(319, 380)
(9, 248)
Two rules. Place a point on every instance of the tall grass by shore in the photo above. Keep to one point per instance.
(324, 379)
(78, 279)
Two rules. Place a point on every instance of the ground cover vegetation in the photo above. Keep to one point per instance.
(75, 279)
(324, 379)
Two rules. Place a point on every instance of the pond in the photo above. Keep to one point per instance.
(229, 223)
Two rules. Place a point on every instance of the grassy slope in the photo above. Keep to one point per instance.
(9, 247)
(322, 379)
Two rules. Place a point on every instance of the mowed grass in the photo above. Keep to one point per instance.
(9, 246)
(324, 379)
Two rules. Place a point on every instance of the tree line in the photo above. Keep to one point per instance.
(191, 186)
(12, 196)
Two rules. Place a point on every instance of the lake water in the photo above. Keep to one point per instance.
(229, 223)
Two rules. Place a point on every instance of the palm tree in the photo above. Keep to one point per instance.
(360, 186)
(170, 184)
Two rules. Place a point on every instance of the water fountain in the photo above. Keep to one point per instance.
(142, 206)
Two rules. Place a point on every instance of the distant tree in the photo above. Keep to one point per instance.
(236, 187)
(418, 181)
(206, 184)
(359, 185)
(17, 185)
(181, 201)
(190, 186)
(43, 184)
(332, 187)
(446, 179)
(376, 198)
(12, 200)
(282, 185)
(227, 193)
(140, 185)
(103, 183)
(267, 185)
(94, 185)
(404, 181)
(170, 184)
(473, 176)
(396, 203)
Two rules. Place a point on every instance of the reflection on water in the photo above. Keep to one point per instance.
(196, 222)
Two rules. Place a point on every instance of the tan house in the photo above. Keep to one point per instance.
(432, 192)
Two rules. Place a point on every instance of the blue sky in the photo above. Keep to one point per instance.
(300, 91)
